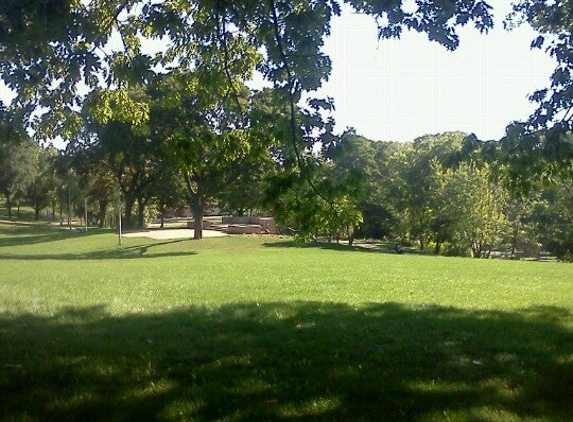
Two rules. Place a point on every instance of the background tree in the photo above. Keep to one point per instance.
(413, 191)
(41, 189)
(168, 191)
(552, 219)
(69, 193)
(370, 158)
(205, 135)
(16, 170)
(361, 161)
(123, 140)
(476, 209)
(95, 177)
(243, 193)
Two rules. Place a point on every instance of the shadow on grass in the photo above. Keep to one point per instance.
(309, 361)
(119, 252)
(20, 234)
(386, 248)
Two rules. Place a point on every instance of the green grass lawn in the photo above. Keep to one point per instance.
(255, 329)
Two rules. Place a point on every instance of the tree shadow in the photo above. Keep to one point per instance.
(385, 248)
(113, 253)
(312, 361)
(20, 234)
(14, 235)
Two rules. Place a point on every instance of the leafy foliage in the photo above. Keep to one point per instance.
(50, 49)
(206, 133)
(554, 22)
(533, 159)
(540, 150)
(17, 169)
(41, 190)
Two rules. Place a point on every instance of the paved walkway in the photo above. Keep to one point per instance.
(173, 234)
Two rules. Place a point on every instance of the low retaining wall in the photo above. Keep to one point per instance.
(244, 229)
(250, 224)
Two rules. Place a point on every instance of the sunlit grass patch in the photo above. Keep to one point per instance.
(252, 328)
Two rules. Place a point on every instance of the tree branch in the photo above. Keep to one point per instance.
(292, 90)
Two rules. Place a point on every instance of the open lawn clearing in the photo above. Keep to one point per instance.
(250, 328)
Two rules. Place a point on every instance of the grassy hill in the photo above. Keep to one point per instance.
(255, 329)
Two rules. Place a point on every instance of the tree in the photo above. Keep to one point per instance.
(14, 160)
(124, 142)
(16, 170)
(41, 189)
(532, 159)
(306, 194)
(354, 163)
(205, 134)
(544, 217)
(282, 38)
(553, 219)
(370, 158)
(94, 176)
(168, 190)
(445, 195)
(69, 192)
(414, 192)
(554, 23)
(243, 193)
(473, 209)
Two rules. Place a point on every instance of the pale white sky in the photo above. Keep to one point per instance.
(402, 89)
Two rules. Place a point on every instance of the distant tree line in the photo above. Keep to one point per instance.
(447, 193)
(452, 194)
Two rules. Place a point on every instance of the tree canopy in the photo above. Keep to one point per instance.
(83, 69)
(540, 149)
(52, 51)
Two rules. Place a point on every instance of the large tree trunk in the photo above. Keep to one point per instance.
(102, 213)
(8, 206)
(140, 213)
(351, 232)
(197, 201)
(61, 213)
(129, 201)
(198, 212)
(477, 250)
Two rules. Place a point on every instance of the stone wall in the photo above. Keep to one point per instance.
(250, 224)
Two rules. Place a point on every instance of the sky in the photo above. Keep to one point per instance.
(398, 90)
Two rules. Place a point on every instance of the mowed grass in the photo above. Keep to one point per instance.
(255, 329)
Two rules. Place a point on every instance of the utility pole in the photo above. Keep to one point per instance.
(119, 214)
(69, 208)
